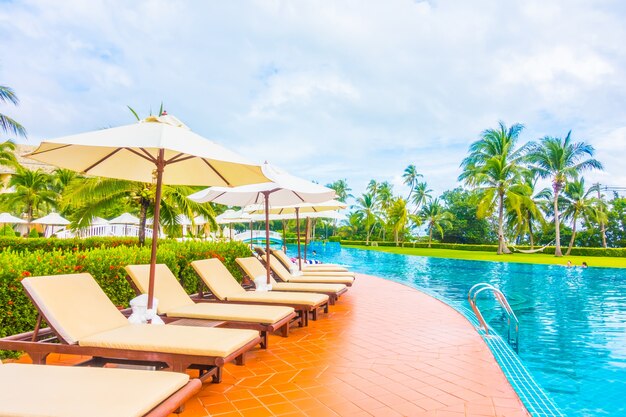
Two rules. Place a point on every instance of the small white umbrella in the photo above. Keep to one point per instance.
(98, 221)
(52, 219)
(125, 219)
(6, 218)
(160, 149)
(284, 189)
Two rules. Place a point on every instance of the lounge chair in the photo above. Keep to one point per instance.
(320, 277)
(289, 264)
(83, 321)
(174, 303)
(66, 391)
(226, 289)
(253, 267)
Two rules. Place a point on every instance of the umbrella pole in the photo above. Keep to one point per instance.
(298, 237)
(306, 236)
(267, 234)
(251, 236)
(160, 165)
(284, 236)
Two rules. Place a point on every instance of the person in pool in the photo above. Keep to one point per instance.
(584, 265)
(569, 264)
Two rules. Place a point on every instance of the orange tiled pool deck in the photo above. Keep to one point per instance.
(383, 350)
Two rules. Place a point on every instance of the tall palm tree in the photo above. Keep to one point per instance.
(341, 189)
(410, 177)
(524, 212)
(7, 154)
(93, 196)
(579, 203)
(436, 218)
(561, 160)
(31, 192)
(8, 125)
(422, 195)
(367, 207)
(398, 217)
(493, 166)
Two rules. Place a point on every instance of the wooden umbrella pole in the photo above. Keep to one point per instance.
(306, 237)
(251, 235)
(267, 234)
(298, 237)
(160, 165)
(285, 236)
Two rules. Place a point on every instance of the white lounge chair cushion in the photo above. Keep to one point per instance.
(218, 278)
(321, 279)
(167, 289)
(276, 297)
(60, 391)
(233, 312)
(201, 341)
(75, 305)
(307, 287)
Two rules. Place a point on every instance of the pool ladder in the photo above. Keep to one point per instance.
(512, 321)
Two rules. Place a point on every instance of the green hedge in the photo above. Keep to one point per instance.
(19, 244)
(106, 265)
(608, 252)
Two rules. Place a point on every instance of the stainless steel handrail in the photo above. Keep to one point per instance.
(512, 321)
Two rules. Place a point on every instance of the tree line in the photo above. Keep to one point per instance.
(499, 201)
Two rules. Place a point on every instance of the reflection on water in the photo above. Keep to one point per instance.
(572, 321)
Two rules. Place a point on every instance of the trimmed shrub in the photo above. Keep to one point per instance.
(37, 243)
(18, 315)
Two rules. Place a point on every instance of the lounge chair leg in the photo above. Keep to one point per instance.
(284, 331)
(263, 339)
(217, 376)
(326, 308)
(39, 358)
(314, 314)
(241, 359)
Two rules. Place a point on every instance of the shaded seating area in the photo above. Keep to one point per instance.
(83, 321)
(60, 391)
(253, 267)
(225, 288)
(175, 303)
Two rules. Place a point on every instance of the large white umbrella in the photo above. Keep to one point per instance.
(52, 219)
(284, 189)
(159, 149)
(307, 210)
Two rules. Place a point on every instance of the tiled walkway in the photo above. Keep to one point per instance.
(384, 350)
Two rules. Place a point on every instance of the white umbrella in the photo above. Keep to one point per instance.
(52, 219)
(125, 218)
(307, 210)
(232, 216)
(284, 189)
(6, 218)
(159, 149)
(98, 221)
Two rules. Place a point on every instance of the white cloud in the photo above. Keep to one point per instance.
(345, 89)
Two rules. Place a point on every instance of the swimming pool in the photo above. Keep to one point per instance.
(572, 321)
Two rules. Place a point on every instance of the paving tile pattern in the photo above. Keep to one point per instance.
(383, 350)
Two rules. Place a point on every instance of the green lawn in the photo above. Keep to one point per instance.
(535, 258)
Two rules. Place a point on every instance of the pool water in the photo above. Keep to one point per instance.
(572, 320)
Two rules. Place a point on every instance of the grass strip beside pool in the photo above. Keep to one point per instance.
(534, 258)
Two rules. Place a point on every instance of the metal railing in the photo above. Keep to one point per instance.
(512, 321)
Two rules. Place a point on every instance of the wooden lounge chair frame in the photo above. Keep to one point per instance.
(282, 326)
(333, 296)
(40, 343)
(303, 310)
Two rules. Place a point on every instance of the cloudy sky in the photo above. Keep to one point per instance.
(344, 89)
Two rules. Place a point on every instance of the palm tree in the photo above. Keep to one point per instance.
(8, 125)
(422, 195)
(7, 154)
(367, 207)
(561, 160)
(341, 189)
(398, 217)
(524, 211)
(94, 196)
(579, 202)
(410, 177)
(31, 192)
(493, 166)
(436, 217)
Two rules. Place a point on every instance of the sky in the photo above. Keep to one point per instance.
(349, 89)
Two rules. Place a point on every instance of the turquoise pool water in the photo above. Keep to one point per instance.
(572, 321)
